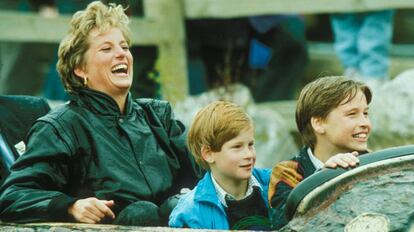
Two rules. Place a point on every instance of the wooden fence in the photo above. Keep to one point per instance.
(239, 8)
(163, 26)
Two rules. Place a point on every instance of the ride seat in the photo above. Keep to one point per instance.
(17, 115)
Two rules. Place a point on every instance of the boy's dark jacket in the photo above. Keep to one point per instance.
(87, 148)
(285, 176)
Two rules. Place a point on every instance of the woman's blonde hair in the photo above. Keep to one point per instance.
(73, 47)
(213, 126)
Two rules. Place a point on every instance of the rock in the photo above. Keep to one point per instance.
(392, 112)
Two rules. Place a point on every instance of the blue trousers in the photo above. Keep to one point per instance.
(363, 40)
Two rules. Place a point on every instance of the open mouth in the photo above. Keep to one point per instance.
(120, 69)
(362, 135)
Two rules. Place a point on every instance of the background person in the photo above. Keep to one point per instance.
(362, 43)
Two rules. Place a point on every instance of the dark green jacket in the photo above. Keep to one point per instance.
(87, 148)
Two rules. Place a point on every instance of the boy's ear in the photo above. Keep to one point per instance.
(317, 125)
(207, 154)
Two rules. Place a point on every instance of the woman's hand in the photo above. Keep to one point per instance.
(344, 160)
(91, 210)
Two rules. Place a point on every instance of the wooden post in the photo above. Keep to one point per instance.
(171, 51)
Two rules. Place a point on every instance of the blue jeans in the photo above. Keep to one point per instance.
(363, 40)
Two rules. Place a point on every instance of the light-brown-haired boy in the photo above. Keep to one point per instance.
(332, 118)
(232, 193)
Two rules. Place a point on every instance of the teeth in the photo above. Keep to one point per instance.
(362, 136)
(119, 67)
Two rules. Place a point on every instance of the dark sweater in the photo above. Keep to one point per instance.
(250, 213)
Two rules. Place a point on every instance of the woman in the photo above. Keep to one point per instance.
(102, 157)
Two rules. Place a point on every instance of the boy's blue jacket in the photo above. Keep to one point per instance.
(201, 208)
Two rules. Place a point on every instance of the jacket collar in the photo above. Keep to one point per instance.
(100, 102)
(205, 190)
(308, 167)
(222, 194)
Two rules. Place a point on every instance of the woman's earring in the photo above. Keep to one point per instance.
(85, 81)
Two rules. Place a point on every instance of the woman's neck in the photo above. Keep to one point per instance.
(121, 102)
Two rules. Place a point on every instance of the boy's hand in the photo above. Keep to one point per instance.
(343, 160)
(91, 210)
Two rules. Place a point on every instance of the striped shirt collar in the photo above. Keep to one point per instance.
(221, 193)
(315, 161)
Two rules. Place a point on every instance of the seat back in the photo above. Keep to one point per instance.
(17, 115)
(6, 153)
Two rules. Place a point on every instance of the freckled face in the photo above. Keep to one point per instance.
(108, 63)
(236, 159)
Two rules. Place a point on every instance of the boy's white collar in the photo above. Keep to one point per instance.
(221, 193)
(315, 161)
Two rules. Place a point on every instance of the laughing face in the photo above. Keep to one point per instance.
(346, 128)
(108, 63)
(235, 162)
